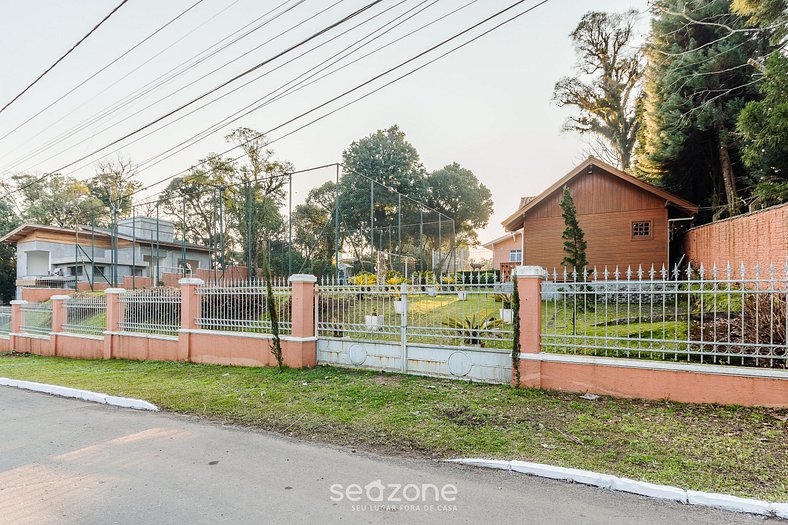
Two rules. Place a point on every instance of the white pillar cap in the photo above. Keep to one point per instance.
(530, 271)
(191, 280)
(302, 278)
(60, 297)
(115, 291)
(19, 301)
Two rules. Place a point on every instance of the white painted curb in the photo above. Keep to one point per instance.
(85, 395)
(651, 490)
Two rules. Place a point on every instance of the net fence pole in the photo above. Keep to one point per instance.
(92, 252)
(372, 226)
(133, 248)
(336, 224)
(183, 241)
(249, 230)
(421, 239)
(440, 243)
(221, 226)
(158, 247)
(404, 271)
(290, 225)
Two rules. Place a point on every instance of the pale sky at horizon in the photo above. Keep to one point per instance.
(487, 106)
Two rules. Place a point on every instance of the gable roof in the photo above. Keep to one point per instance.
(502, 238)
(21, 232)
(528, 204)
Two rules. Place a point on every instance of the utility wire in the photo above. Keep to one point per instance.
(315, 70)
(91, 77)
(158, 82)
(369, 81)
(50, 68)
(213, 90)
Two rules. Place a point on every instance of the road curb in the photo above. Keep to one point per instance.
(85, 395)
(642, 488)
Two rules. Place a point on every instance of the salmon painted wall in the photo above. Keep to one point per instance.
(644, 383)
(79, 347)
(41, 295)
(758, 237)
(502, 248)
(142, 347)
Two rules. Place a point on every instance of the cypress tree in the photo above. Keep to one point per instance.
(573, 236)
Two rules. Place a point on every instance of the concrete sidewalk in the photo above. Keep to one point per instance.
(68, 461)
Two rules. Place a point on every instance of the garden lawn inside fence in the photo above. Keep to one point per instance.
(707, 317)
(477, 315)
(86, 314)
(151, 311)
(37, 318)
(243, 307)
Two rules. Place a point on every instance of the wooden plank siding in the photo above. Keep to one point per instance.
(606, 208)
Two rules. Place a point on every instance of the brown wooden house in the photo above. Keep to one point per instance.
(627, 222)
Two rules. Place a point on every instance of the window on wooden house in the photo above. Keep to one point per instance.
(515, 256)
(641, 229)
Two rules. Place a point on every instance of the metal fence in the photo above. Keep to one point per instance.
(37, 318)
(152, 311)
(243, 306)
(726, 316)
(5, 319)
(456, 310)
(85, 314)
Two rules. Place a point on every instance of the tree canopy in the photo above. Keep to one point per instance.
(605, 91)
(699, 78)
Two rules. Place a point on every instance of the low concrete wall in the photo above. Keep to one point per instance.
(656, 380)
(5, 343)
(245, 349)
(32, 344)
(140, 347)
(97, 286)
(475, 364)
(79, 346)
(41, 295)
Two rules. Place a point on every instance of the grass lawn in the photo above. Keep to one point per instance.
(736, 450)
(343, 314)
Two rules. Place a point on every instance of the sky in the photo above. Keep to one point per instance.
(486, 106)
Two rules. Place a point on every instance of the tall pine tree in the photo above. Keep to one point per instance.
(697, 81)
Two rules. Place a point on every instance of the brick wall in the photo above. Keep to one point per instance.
(757, 237)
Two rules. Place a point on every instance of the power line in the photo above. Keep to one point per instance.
(158, 82)
(50, 68)
(213, 90)
(91, 77)
(292, 89)
(376, 77)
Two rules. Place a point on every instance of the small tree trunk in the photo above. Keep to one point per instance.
(727, 175)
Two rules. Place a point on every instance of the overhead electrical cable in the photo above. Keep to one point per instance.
(369, 81)
(62, 57)
(213, 90)
(104, 68)
(310, 73)
(162, 79)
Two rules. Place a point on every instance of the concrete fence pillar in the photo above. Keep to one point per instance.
(529, 286)
(114, 317)
(58, 319)
(190, 312)
(16, 322)
(301, 350)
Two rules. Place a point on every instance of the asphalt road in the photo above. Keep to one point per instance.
(68, 461)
